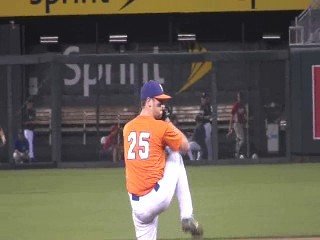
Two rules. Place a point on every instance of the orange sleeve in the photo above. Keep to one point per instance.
(172, 137)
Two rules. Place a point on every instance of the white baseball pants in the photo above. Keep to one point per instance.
(28, 134)
(208, 129)
(239, 131)
(146, 210)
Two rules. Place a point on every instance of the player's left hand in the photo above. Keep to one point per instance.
(165, 114)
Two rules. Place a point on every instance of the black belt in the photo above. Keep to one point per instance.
(137, 198)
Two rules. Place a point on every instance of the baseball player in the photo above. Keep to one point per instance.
(237, 123)
(206, 109)
(152, 177)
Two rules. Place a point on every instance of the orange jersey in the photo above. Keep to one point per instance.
(145, 139)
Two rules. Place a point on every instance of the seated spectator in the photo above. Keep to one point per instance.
(197, 141)
(109, 143)
(21, 149)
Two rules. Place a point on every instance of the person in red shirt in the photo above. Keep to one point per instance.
(152, 176)
(110, 143)
(237, 123)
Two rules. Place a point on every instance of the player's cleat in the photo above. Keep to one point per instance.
(192, 226)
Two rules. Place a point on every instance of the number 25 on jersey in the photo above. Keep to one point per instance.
(139, 145)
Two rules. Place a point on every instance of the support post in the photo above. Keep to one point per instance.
(10, 113)
(56, 95)
(287, 109)
(214, 132)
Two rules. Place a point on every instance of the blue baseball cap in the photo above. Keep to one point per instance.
(153, 89)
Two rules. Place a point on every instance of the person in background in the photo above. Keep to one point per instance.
(197, 141)
(21, 149)
(237, 124)
(2, 137)
(29, 117)
(206, 110)
(109, 143)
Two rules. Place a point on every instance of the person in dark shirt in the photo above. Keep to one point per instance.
(21, 149)
(206, 111)
(197, 141)
(29, 117)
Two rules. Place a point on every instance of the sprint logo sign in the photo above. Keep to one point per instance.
(94, 7)
(127, 4)
(48, 4)
(77, 6)
(198, 69)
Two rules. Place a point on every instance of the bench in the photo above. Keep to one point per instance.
(83, 119)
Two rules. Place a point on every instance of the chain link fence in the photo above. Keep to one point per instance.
(80, 98)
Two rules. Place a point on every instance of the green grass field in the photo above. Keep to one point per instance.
(92, 204)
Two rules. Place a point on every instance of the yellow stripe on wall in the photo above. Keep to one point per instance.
(93, 7)
(274, 5)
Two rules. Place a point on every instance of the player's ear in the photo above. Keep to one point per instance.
(148, 102)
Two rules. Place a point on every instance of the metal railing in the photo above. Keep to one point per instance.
(306, 29)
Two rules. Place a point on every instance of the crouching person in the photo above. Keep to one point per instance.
(21, 149)
(197, 141)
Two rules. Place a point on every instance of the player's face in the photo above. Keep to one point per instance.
(158, 107)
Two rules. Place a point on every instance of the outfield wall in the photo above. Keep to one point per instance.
(117, 83)
(305, 92)
(249, 71)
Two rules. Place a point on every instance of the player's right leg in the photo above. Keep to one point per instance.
(175, 179)
(189, 224)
